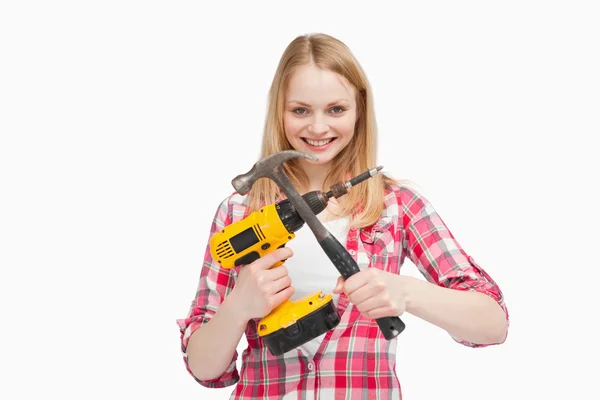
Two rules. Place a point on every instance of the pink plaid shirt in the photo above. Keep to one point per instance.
(354, 359)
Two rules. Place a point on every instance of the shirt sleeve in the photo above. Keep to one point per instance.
(439, 257)
(214, 285)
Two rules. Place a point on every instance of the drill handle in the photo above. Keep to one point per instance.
(343, 261)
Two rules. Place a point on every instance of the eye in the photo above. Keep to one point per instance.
(338, 110)
(300, 111)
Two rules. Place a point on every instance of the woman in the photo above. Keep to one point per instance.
(320, 103)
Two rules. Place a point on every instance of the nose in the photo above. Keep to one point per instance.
(318, 127)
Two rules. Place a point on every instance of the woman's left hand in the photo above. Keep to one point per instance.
(375, 293)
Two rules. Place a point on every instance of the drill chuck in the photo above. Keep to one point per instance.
(316, 200)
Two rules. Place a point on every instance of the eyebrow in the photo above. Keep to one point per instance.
(330, 104)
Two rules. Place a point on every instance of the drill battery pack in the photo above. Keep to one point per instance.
(304, 320)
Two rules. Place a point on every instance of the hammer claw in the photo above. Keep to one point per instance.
(264, 168)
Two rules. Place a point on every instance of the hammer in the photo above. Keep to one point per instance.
(271, 167)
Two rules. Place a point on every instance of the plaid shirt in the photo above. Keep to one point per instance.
(354, 359)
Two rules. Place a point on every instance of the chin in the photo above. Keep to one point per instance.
(323, 159)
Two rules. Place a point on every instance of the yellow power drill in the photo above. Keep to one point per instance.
(292, 323)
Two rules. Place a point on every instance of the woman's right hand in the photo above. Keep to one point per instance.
(259, 289)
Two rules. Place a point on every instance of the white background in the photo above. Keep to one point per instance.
(123, 122)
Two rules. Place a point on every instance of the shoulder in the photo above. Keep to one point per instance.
(406, 202)
(233, 207)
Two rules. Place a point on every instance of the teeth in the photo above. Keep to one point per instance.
(319, 142)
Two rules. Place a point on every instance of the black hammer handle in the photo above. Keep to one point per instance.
(390, 326)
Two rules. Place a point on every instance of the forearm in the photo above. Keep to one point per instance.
(211, 348)
(466, 315)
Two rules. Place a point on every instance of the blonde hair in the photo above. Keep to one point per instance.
(364, 202)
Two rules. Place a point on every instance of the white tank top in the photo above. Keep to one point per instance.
(311, 270)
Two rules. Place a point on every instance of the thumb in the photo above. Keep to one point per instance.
(339, 286)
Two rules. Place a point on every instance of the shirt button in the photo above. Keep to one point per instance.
(352, 252)
(311, 366)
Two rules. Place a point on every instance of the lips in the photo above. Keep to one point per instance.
(318, 143)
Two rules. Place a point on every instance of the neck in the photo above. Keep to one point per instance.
(316, 174)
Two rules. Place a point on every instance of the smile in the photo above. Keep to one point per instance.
(318, 143)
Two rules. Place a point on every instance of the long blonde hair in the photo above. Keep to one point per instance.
(364, 202)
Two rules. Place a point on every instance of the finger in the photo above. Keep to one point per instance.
(372, 303)
(282, 296)
(273, 258)
(380, 312)
(276, 273)
(364, 292)
(339, 286)
(355, 281)
(280, 284)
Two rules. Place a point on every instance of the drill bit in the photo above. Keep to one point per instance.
(341, 189)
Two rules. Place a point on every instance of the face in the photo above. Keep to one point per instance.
(320, 112)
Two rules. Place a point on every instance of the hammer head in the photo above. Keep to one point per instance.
(266, 168)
